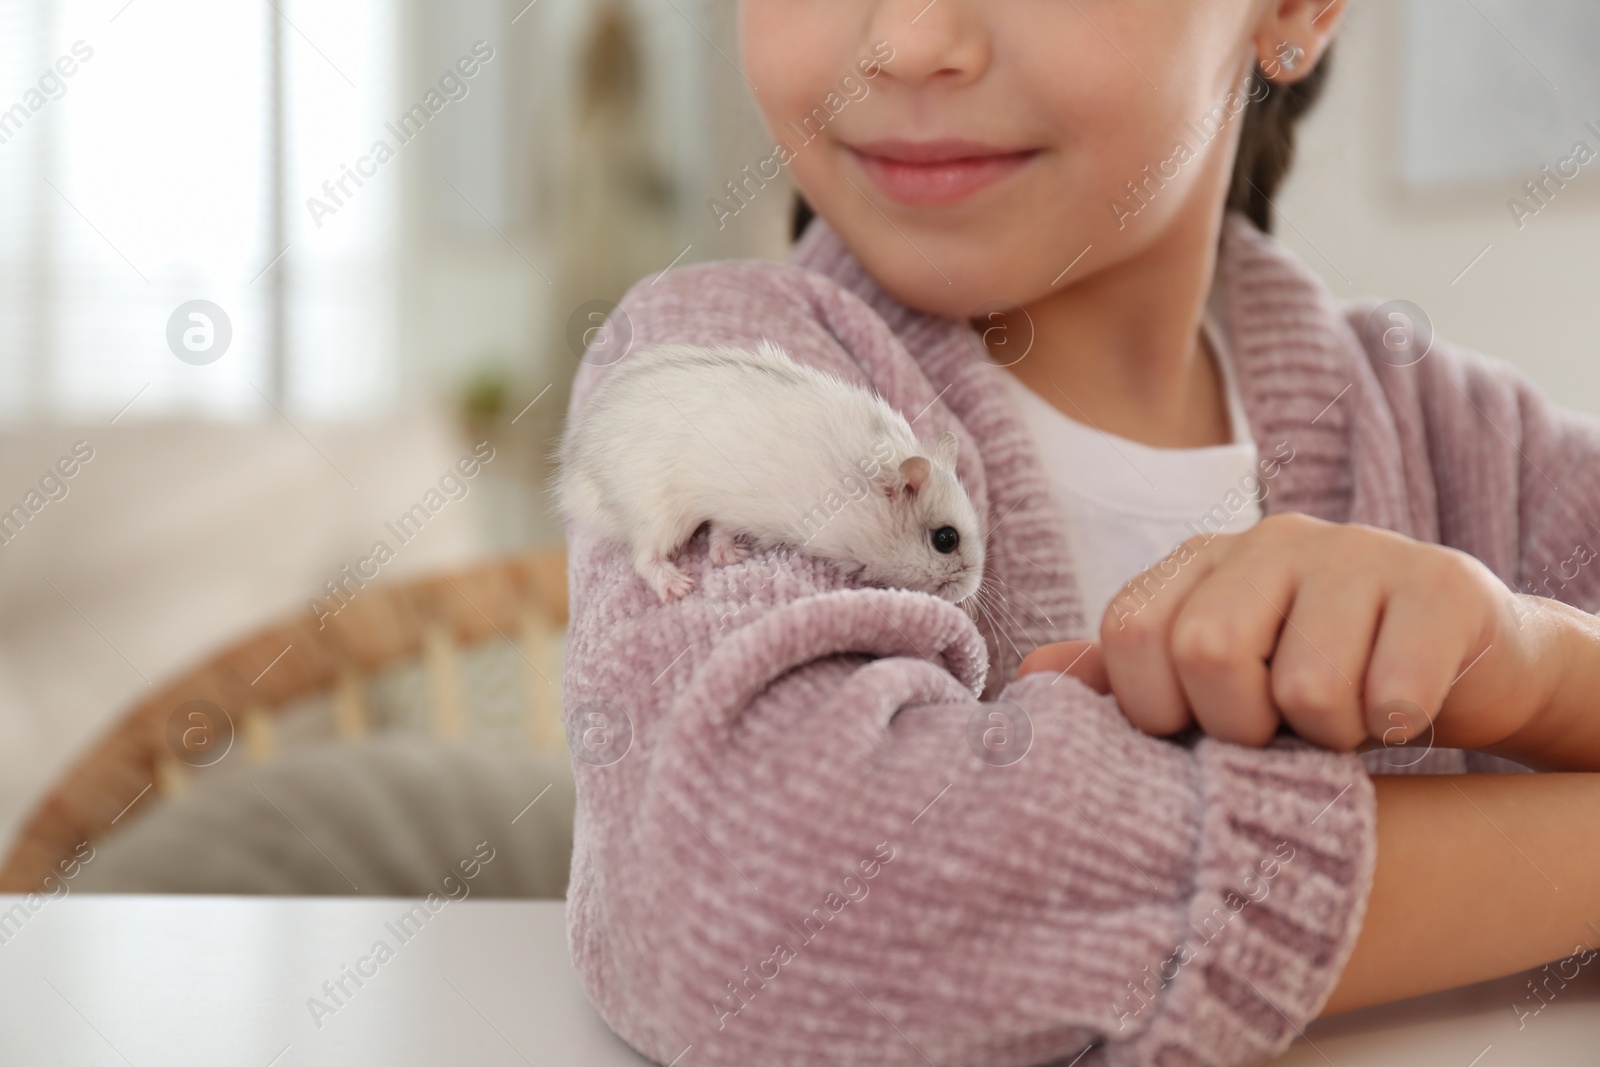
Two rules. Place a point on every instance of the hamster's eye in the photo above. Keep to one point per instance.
(945, 540)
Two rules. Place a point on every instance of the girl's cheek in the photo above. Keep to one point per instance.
(789, 52)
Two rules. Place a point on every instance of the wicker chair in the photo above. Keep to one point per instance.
(236, 700)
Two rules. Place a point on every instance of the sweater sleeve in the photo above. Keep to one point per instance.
(802, 838)
(1515, 476)
(1518, 475)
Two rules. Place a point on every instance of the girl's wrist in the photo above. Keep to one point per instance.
(1563, 733)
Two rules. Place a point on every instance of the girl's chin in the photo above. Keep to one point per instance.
(959, 295)
(935, 269)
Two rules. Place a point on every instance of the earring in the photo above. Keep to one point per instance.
(1289, 56)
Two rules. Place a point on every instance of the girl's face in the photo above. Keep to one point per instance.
(1062, 102)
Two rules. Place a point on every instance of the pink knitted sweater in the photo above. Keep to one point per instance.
(803, 835)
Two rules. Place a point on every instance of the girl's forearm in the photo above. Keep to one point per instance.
(1478, 876)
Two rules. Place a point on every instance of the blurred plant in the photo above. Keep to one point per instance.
(485, 395)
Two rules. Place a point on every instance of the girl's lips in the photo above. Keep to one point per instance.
(947, 177)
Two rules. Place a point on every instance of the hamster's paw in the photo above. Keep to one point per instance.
(667, 579)
(679, 584)
(726, 547)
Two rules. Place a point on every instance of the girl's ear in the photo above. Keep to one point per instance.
(1292, 37)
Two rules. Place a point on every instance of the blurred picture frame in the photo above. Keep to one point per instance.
(1492, 90)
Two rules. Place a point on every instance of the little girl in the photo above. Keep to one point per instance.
(1239, 529)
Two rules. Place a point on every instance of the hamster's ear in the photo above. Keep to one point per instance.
(945, 448)
(914, 471)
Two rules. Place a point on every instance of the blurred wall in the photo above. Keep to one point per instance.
(1530, 300)
(483, 279)
(482, 205)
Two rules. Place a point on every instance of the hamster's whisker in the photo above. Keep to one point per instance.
(1031, 601)
(999, 583)
(971, 603)
(996, 594)
(993, 599)
(981, 597)
(979, 609)
(972, 606)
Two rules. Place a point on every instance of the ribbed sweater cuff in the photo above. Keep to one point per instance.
(1285, 862)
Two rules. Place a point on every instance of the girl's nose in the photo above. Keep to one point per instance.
(943, 41)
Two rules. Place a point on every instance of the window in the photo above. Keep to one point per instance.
(139, 170)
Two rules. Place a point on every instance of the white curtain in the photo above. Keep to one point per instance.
(137, 173)
(144, 180)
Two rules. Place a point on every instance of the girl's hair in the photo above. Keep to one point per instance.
(1266, 145)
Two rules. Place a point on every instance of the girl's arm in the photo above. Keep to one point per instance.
(1516, 481)
(1478, 876)
(1486, 875)
(1459, 856)
(801, 837)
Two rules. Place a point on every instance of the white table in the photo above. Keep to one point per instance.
(207, 981)
(169, 981)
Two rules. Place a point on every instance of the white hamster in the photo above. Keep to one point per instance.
(771, 452)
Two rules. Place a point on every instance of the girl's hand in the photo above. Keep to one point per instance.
(1343, 632)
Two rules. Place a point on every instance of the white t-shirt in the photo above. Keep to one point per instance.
(1126, 505)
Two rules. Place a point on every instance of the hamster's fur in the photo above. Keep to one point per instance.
(770, 452)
